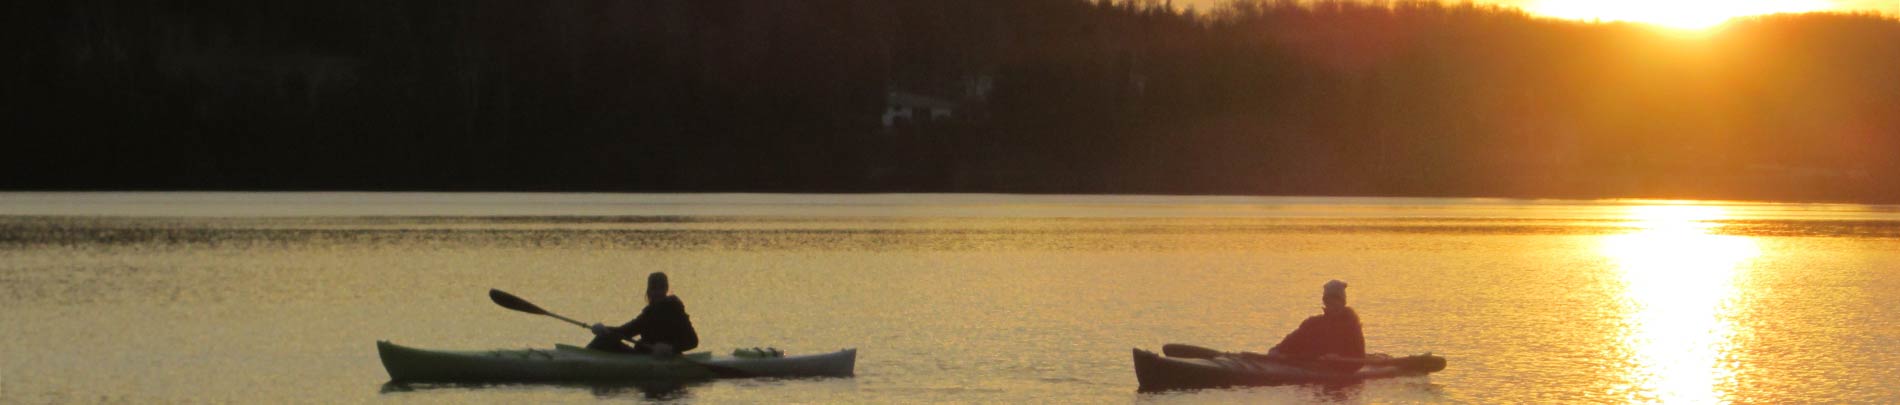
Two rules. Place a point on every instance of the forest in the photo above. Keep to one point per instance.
(1387, 98)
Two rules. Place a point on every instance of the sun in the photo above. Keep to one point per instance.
(1679, 14)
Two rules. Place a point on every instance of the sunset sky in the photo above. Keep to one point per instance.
(1672, 13)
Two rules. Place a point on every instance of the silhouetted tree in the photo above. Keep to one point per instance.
(1253, 97)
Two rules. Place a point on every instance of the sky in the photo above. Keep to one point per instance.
(1673, 13)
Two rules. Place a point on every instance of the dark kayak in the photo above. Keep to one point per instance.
(574, 364)
(1157, 372)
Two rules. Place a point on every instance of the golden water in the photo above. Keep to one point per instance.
(249, 297)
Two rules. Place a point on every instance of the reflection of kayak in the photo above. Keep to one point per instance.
(569, 363)
(1157, 372)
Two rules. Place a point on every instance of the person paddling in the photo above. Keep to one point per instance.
(662, 327)
(1330, 340)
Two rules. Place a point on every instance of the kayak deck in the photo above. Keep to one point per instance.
(1157, 372)
(575, 364)
(841, 363)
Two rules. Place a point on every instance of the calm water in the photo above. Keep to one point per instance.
(272, 298)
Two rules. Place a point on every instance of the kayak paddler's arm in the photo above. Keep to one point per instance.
(601, 329)
(639, 324)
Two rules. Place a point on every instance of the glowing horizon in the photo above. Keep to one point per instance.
(1679, 14)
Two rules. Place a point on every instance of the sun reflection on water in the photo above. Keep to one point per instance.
(1679, 297)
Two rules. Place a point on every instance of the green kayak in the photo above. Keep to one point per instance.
(575, 364)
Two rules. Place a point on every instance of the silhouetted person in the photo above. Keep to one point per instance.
(1334, 333)
(662, 327)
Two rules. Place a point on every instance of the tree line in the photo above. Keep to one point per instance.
(1253, 97)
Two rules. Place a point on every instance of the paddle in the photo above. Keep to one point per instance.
(1188, 351)
(510, 301)
(1426, 362)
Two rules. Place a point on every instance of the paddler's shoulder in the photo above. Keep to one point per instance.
(670, 302)
(1343, 314)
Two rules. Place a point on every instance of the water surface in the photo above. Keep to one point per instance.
(279, 297)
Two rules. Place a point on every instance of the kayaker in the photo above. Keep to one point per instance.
(1334, 334)
(663, 328)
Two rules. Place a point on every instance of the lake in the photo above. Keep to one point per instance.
(280, 297)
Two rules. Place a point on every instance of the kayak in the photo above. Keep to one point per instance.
(1156, 372)
(567, 363)
(835, 364)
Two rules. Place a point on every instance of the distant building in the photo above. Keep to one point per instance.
(901, 109)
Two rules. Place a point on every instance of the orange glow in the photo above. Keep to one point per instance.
(1679, 290)
(1680, 14)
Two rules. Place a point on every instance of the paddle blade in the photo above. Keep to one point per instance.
(510, 301)
(1422, 363)
(1186, 351)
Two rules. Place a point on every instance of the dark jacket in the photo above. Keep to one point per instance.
(1337, 333)
(663, 321)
